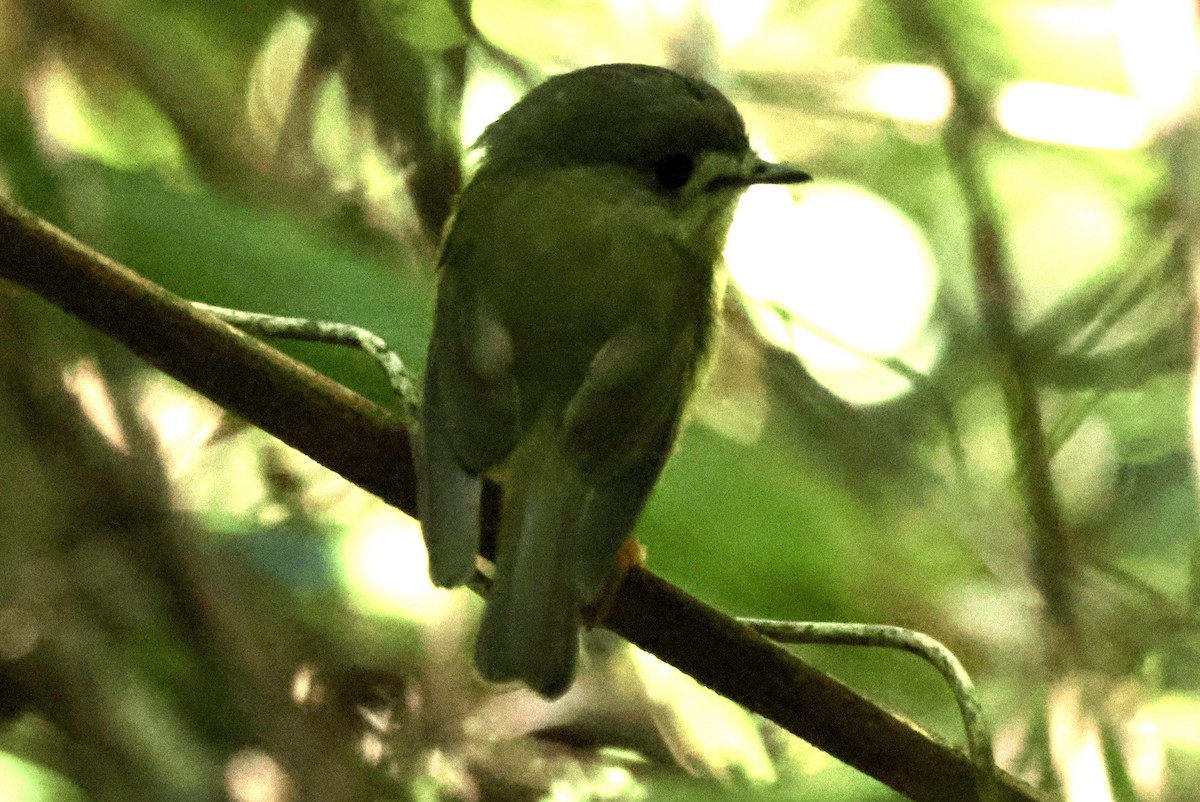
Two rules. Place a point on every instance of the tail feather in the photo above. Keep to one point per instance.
(530, 629)
(447, 503)
(607, 520)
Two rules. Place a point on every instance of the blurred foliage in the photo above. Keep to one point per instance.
(190, 611)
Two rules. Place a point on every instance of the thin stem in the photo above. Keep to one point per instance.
(979, 735)
(333, 333)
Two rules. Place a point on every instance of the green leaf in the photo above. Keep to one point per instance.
(1151, 422)
(428, 25)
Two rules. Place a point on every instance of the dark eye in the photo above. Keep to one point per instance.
(673, 172)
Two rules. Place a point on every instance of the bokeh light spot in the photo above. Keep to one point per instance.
(486, 97)
(842, 279)
(386, 566)
(1161, 52)
(915, 93)
(1071, 115)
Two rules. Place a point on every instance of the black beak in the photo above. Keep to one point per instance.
(763, 172)
(770, 173)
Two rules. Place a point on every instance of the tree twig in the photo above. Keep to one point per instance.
(333, 333)
(367, 445)
(979, 733)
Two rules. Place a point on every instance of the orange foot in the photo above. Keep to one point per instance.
(632, 554)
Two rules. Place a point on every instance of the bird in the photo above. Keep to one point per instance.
(579, 286)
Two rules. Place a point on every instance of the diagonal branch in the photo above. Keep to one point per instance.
(367, 445)
(964, 139)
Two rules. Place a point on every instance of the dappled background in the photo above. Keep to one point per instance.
(953, 394)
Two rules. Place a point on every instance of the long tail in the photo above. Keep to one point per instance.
(530, 629)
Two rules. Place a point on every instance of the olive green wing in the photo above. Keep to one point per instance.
(620, 428)
(574, 487)
(468, 426)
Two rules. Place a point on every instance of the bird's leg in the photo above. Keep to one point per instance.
(632, 554)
